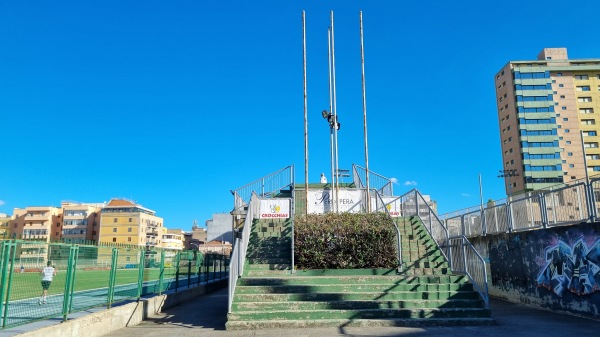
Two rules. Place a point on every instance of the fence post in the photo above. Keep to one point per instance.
(509, 217)
(199, 259)
(544, 210)
(161, 276)
(68, 284)
(142, 264)
(177, 260)
(464, 250)
(112, 276)
(8, 250)
(189, 271)
(75, 249)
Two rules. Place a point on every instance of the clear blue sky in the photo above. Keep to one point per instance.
(173, 104)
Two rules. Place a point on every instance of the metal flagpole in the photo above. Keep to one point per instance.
(362, 59)
(335, 119)
(305, 116)
(330, 124)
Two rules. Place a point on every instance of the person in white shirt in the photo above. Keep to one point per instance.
(48, 274)
(323, 178)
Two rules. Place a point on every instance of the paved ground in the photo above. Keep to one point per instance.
(206, 317)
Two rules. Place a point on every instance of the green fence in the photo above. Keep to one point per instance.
(90, 276)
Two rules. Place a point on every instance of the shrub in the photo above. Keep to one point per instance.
(344, 241)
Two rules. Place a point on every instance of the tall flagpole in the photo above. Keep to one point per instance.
(330, 124)
(335, 119)
(305, 115)
(364, 94)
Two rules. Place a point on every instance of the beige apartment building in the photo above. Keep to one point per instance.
(40, 223)
(81, 222)
(548, 120)
(4, 226)
(173, 239)
(124, 221)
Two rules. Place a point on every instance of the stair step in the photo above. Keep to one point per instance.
(349, 305)
(360, 314)
(358, 296)
(330, 288)
(268, 266)
(343, 323)
(308, 280)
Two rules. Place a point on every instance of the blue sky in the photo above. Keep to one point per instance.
(173, 104)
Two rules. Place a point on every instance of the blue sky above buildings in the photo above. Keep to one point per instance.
(174, 104)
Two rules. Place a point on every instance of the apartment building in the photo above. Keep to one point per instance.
(40, 223)
(547, 114)
(124, 221)
(4, 226)
(81, 222)
(173, 239)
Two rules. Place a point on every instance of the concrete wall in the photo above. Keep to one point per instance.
(107, 321)
(555, 268)
(220, 228)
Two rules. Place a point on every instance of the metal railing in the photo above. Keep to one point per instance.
(378, 182)
(381, 206)
(460, 254)
(90, 276)
(465, 259)
(238, 255)
(265, 187)
(567, 205)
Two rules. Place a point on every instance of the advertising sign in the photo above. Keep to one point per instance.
(274, 209)
(320, 201)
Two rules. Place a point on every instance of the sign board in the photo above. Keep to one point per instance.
(320, 201)
(274, 208)
(393, 205)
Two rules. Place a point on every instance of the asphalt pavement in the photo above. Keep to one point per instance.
(206, 317)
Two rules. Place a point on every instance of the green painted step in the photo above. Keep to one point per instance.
(268, 260)
(267, 266)
(349, 305)
(359, 296)
(301, 280)
(360, 314)
(330, 288)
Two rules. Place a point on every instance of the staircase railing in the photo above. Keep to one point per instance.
(238, 255)
(467, 260)
(378, 182)
(381, 206)
(266, 186)
(460, 253)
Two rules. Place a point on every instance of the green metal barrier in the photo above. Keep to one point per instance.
(90, 276)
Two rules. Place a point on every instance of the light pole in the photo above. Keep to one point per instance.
(333, 125)
(508, 174)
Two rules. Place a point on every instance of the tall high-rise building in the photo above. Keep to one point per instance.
(547, 114)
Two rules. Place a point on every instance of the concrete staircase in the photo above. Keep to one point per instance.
(424, 293)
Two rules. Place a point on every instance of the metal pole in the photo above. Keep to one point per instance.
(335, 119)
(364, 94)
(589, 191)
(330, 124)
(305, 116)
(483, 224)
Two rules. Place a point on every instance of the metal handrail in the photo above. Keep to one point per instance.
(267, 185)
(469, 262)
(376, 181)
(238, 255)
(378, 200)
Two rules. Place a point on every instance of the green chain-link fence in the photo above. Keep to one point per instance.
(92, 276)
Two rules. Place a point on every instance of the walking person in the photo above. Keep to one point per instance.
(48, 274)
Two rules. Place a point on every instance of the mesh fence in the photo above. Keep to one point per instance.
(40, 280)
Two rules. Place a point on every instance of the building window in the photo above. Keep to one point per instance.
(582, 77)
(570, 154)
(115, 220)
(565, 119)
(558, 74)
(568, 142)
(592, 156)
(114, 239)
(114, 230)
(562, 96)
(567, 131)
(130, 219)
(590, 133)
(590, 145)
(129, 239)
(561, 85)
(583, 88)
(571, 165)
(596, 168)
(584, 99)
(588, 122)
(129, 229)
(563, 108)
(586, 110)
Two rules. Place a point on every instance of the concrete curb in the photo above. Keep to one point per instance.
(118, 317)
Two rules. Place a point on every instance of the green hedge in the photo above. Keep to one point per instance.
(344, 241)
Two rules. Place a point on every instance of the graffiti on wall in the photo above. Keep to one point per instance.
(575, 267)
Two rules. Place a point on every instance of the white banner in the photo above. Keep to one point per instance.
(320, 201)
(393, 205)
(274, 208)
